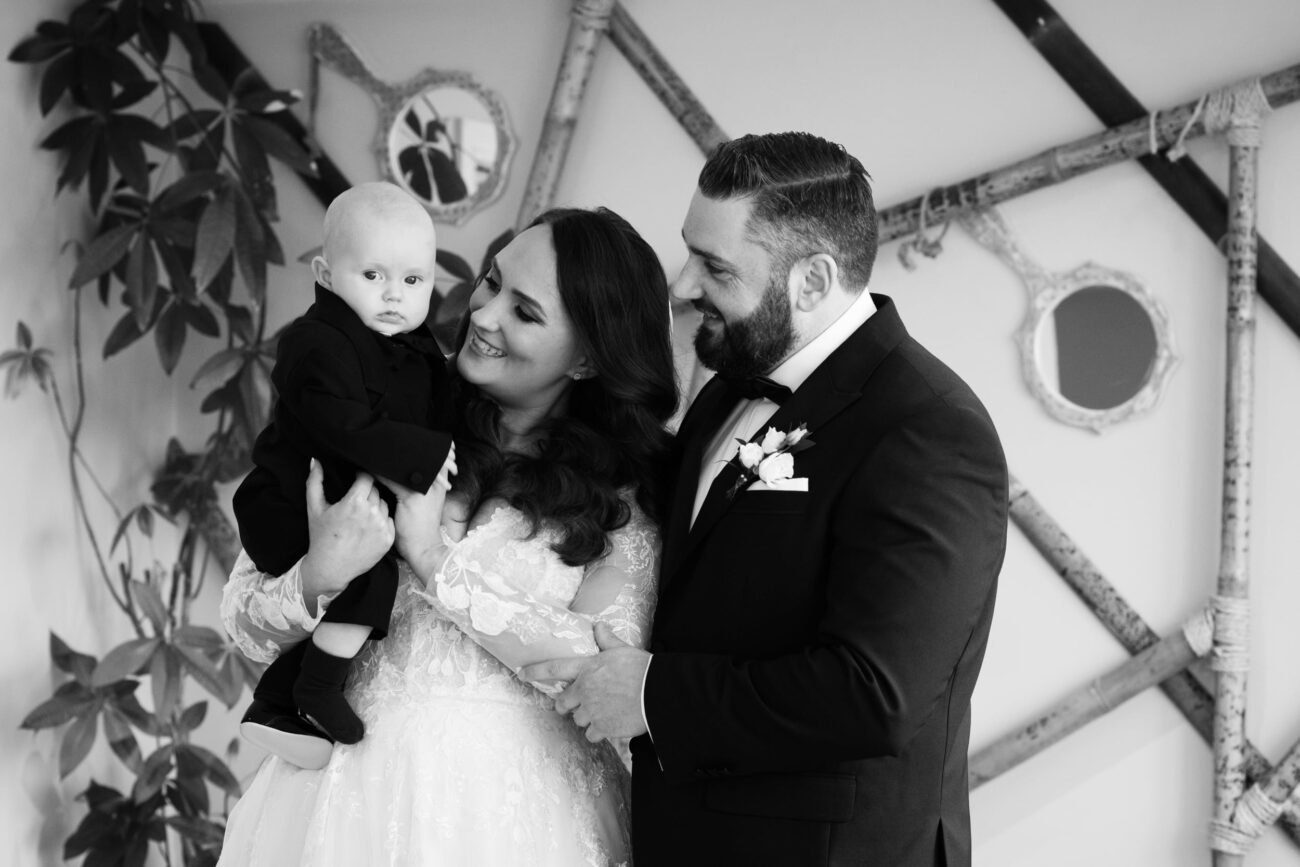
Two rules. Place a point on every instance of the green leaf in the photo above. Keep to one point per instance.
(124, 333)
(124, 660)
(131, 708)
(98, 173)
(193, 716)
(211, 81)
(187, 188)
(132, 93)
(203, 638)
(254, 168)
(122, 527)
(455, 265)
(215, 769)
(105, 251)
(71, 134)
(218, 369)
(79, 665)
(154, 36)
(142, 281)
(215, 237)
(206, 673)
(121, 740)
(146, 596)
(201, 318)
(200, 830)
(60, 708)
(194, 123)
(165, 678)
(240, 322)
(34, 49)
(94, 827)
(250, 248)
(144, 519)
(152, 776)
(170, 335)
(55, 82)
(127, 154)
(77, 741)
(255, 394)
(278, 143)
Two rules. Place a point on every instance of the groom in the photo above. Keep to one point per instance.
(825, 597)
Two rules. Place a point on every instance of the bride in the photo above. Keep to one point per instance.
(566, 382)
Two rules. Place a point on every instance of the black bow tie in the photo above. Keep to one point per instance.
(755, 387)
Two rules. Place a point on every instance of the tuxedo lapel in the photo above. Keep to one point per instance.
(834, 385)
(711, 407)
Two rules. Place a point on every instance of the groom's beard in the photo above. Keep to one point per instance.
(751, 346)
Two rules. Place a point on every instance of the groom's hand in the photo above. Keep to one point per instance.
(604, 692)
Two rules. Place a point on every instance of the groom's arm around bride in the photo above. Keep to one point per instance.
(825, 597)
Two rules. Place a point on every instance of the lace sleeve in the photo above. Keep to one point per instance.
(264, 613)
(519, 629)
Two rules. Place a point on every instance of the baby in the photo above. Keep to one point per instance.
(361, 386)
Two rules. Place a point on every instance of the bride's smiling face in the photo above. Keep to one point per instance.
(521, 350)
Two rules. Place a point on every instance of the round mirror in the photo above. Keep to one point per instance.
(445, 147)
(1096, 348)
(442, 136)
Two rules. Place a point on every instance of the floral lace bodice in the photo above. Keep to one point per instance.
(502, 601)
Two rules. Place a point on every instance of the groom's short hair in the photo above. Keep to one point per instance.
(810, 196)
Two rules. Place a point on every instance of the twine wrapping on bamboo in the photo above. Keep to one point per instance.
(1052, 166)
(1231, 634)
(1102, 695)
(1240, 107)
(1255, 811)
(922, 242)
(587, 28)
(1188, 690)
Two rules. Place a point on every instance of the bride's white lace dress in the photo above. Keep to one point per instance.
(462, 763)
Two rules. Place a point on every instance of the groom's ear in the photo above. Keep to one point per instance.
(811, 280)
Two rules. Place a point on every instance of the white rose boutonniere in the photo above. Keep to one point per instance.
(770, 459)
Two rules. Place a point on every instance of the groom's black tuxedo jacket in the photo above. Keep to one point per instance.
(815, 652)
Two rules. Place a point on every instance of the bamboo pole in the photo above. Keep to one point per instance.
(1070, 160)
(660, 77)
(590, 21)
(1156, 663)
(1184, 181)
(1227, 839)
(1185, 690)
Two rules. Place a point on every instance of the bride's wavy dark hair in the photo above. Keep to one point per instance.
(613, 436)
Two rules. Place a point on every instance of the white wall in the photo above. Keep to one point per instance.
(925, 93)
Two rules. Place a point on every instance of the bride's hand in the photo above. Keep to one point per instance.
(417, 519)
(347, 537)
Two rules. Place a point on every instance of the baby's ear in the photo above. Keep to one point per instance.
(320, 269)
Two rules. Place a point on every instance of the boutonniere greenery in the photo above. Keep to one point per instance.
(769, 460)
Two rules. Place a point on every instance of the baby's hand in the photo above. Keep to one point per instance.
(455, 516)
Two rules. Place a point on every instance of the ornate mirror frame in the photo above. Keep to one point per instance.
(332, 50)
(1046, 292)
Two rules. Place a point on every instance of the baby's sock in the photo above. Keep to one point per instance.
(319, 694)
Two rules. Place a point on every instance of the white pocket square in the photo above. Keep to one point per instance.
(800, 484)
